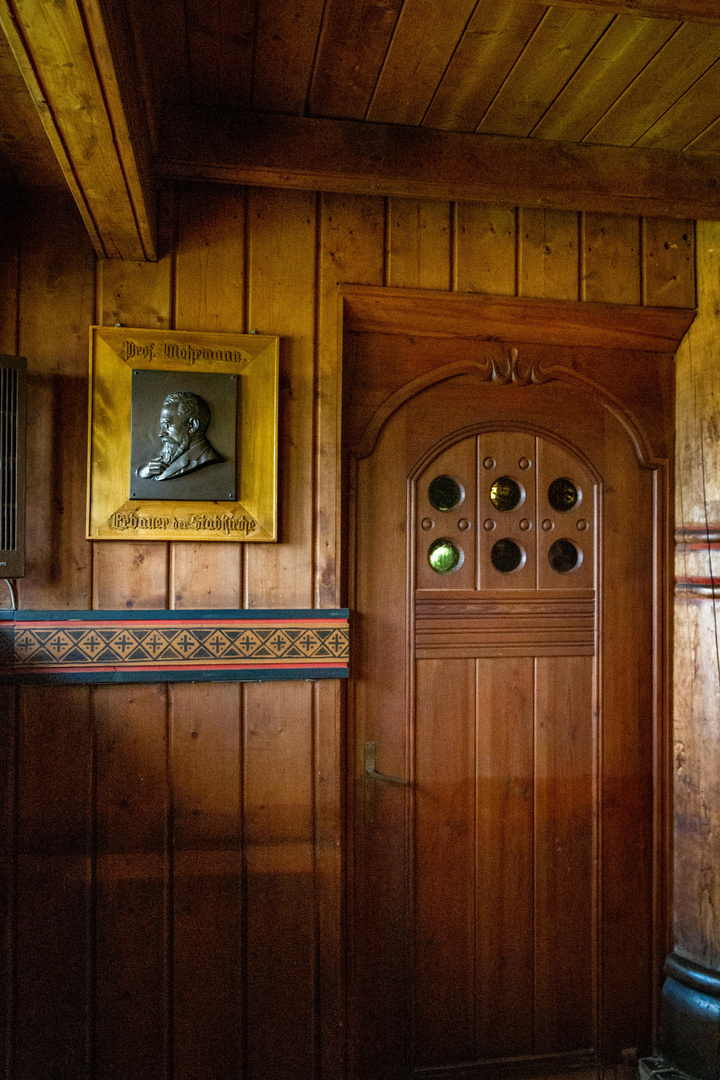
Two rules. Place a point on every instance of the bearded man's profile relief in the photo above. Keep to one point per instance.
(183, 422)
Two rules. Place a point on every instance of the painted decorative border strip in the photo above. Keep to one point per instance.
(697, 537)
(699, 588)
(173, 646)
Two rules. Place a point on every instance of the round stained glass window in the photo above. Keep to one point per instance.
(563, 494)
(563, 556)
(444, 555)
(506, 493)
(444, 493)
(506, 555)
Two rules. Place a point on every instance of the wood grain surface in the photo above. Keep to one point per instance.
(181, 849)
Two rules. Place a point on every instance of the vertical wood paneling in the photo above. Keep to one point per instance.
(135, 294)
(279, 906)
(485, 239)
(669, 262)
(697, 662)
(564, 853)
(419, 244)
(209, 290)
(627, 761)
(278, 754)
(55, 308)
(53, 915)
(9, 263)
(549, 254)
(207, 875)
(205, 719)
(281, 267)
(328, 732)
(175, 964)
(8, 878)
(504, 853)
(134, 888)
(611, 259)
(350, 248)
(444, 1013)
(9, 266)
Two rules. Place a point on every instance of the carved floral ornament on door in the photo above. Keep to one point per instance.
(509, 368)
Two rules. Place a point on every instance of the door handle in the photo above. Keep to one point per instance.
(371, 771)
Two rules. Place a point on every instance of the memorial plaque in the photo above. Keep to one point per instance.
(182, 435)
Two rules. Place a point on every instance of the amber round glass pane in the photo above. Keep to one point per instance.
(506, 555)
(506, 493)
(562, 494)
(563, 556)
(444, 555)
(444, 493)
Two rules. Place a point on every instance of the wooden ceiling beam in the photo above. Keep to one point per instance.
(385, 159)
(98, 136)
(699, 11)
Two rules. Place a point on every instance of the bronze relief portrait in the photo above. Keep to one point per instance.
(183, 435)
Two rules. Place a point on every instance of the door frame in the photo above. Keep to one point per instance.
(500, 326)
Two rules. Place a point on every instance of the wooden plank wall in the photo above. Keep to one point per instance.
(697, 655)
(171, 900)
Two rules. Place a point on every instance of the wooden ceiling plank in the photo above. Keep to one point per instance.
(551, 57)
(495, 36)
(388, 159)
(708, 141)
(685, 58)
(203, 36)
(353, 44)
(417, 59)
(701, 11)
(237, 46)
(24, 146)
(286, 41)
(689, 116)
(9, 27)
(160, 32)
(67, 75)
(627, 46)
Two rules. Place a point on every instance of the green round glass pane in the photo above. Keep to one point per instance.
(563, 556)
(562, 494)
(506, 493)
(444, 555)
(444, 493)
(506, 555)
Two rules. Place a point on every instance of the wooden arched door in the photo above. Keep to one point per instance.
(506, 563)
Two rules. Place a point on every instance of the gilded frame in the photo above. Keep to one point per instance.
(254, 359)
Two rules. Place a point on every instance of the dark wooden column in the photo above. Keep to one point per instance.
(690, 1014)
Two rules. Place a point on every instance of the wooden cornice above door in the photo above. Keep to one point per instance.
(427, 313)
(512, 341)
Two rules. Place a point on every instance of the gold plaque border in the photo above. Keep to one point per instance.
(254, 358)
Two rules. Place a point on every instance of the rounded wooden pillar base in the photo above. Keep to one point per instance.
(690, 1018)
